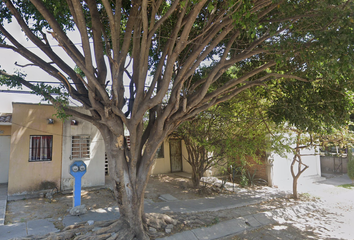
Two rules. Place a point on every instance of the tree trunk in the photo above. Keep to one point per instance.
(133, 213)
(297, 158)
(295, 194)
(195, 177)
(270, 174)
(130, 180)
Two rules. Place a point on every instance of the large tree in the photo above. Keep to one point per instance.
(161, 47)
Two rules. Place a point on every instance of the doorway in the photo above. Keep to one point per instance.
(176, 155)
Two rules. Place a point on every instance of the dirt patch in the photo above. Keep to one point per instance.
(159, 225)
(57, 207)
(179, 187)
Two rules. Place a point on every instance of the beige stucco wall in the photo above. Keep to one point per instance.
(25, 176)
(5, 130)
(186, 166)
(95, 175)
(163, 165)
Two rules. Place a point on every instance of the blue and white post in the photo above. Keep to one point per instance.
(77, 170)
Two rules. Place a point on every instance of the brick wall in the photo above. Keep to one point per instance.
(260, 167)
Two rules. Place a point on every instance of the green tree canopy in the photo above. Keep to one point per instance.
(174, 55)
(228, 134)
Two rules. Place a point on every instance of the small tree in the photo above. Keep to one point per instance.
(316, 113)
(304, 140)
(228, 134)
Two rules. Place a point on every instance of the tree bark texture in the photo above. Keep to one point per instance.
(129, 181)
(297, 159)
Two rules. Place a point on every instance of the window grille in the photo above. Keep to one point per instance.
(80, 147)
(160, 152)
(41, 148)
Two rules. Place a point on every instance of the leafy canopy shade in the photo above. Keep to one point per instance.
(175, 55)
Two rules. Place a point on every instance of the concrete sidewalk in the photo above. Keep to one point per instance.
(223, 229)
(226, 228)
(3, 202)
(44, 226)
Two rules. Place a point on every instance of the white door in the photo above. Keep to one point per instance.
(4, 158)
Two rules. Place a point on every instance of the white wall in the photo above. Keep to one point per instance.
(5, 143)
(162, 165)
(281, 166)
(95, 175)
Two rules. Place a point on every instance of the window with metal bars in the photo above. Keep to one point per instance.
(160, 152)
(80, 147)
(41, 148)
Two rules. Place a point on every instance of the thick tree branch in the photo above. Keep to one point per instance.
(58, 32)
(47, 49)
(97, 30)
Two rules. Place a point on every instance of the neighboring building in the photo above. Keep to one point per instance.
(36, 150)
(275, 169)
(5, 143)
(281, 166)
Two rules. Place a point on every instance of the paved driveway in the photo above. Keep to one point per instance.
(336, 199)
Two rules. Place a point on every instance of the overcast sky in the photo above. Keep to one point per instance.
(8, 59)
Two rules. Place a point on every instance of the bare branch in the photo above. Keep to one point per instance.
(30, 64)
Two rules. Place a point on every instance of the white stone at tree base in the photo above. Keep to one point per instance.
(78, 210)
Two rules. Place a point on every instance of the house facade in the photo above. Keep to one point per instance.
(82, 142)
(37, 149)
(35, 152)
(171, 157)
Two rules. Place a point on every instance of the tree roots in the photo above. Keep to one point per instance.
(156, 223)
(104, 230)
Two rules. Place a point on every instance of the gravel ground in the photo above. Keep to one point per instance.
(329, 216)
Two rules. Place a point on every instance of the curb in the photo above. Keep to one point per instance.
(226, 228)
(2, 211)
